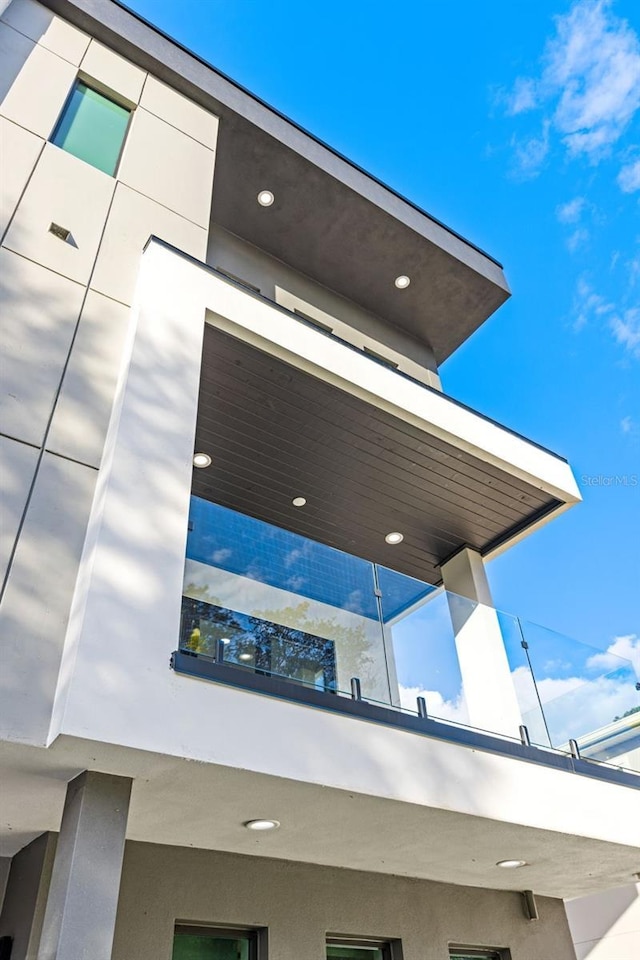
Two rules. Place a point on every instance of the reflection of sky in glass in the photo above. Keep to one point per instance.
(581, 688)
(425, 651)
(239, 544)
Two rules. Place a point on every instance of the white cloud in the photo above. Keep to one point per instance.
(626, 329)
(531, 153)
(219, 556)
(589, 83)
(626, 424)
(633, 267)
(437, 707)
(524, 96)
(627, 647)
(629, 177)
(577, 239)
(570, 212)
(588, 305)
(578, 705)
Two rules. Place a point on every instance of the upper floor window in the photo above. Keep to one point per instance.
(92, 127)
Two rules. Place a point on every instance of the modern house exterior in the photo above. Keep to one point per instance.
(255, 698)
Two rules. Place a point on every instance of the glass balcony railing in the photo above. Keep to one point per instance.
(264, 600)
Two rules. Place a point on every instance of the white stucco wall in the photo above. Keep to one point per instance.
(65, 313)
(606, 926)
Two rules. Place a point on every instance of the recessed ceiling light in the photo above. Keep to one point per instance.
(402, 282)
(201, 460)
(265, 198)
(511, 864)
(298, 501)
(262, 824)
(394, 538)
(245, 656)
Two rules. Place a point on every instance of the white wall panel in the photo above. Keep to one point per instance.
(168, 166)
(132, 220)
(39, 313)
(82, 412)
(17, 466)
(181, 113)
(35, 607)
(73, 194)
(113, 71)
(40, 24)
(19, 151)
(34, 83)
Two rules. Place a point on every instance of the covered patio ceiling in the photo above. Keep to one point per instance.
(275, 432)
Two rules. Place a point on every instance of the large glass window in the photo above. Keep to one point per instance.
(92, 127)
(274, 602)
(204, 943)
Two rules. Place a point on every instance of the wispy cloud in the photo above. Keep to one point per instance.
(588, 86)
(629, 177)
(531, 152)
(523, 97)
(577, 239)
(589, 306)
(570, 212)
(626, 329)
(590, 699)
(626, 424)
(437, 706)
(626, 647)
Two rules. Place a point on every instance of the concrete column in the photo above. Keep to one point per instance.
(80, 916)
(487, 685)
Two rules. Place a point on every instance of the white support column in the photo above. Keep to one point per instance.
(487, 684)
(80, 916)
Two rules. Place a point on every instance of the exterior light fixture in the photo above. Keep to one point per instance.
(394, 538)
(225, 640)
(265, 198)
(298, 501)
(262, 824)
(60, 232)
(511, 864)
(245, 656)
(402, 282)
(201, 460)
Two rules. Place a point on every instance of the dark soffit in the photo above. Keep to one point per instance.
(332, 220)
(275, 432)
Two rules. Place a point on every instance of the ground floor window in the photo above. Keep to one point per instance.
(213, 943)
(471, 953)
(347, 949)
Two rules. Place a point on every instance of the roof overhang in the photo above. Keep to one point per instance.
(331, 220)
(276, 431)
(286, 410)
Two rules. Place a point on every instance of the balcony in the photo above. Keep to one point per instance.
(276, 612)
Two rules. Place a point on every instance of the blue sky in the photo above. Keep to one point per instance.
(518, 124)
